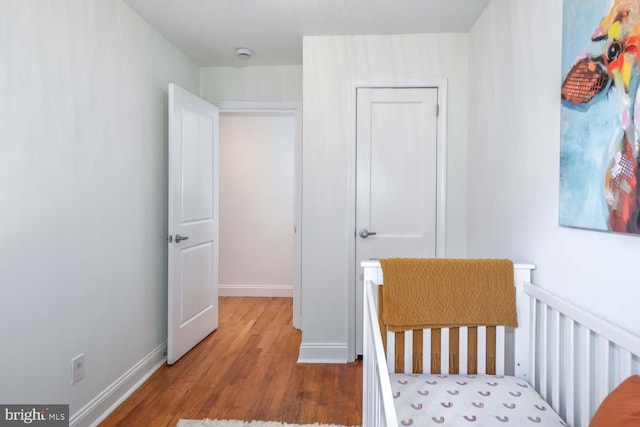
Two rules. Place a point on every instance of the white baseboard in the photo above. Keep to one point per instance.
(106, 402)
(323, 353)
(285, 291)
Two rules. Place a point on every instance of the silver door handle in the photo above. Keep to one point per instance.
(364, 233)
(180, 238)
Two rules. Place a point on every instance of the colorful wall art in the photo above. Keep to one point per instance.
(600, 117)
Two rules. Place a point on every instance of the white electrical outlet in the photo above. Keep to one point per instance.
(77, 368)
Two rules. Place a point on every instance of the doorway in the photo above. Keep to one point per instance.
(260, 151)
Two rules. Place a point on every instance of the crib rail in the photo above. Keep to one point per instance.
(377, 405)
(576, 358)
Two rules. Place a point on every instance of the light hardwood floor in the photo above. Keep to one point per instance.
(247, 370)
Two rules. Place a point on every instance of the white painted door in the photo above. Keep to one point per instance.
(193, 221)
(396, 178)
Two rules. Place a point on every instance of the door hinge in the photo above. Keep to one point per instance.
(437, 110)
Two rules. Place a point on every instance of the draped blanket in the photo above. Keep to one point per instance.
(441, 293)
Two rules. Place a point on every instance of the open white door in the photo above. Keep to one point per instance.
(193, 221)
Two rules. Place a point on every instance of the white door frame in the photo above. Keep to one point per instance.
(441, 177)
(295, 108)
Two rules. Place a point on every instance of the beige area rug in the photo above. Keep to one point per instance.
(235, 423)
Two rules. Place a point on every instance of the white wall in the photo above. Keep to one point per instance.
(513, 176)
(83, 187)
(277, 83)
(330, 65)
(256, 204)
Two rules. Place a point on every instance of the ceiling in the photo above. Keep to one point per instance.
(209, 31)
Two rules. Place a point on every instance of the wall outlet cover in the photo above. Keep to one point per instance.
(77, 368)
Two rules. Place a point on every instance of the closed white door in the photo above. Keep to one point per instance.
(193, 221)
(396, 188)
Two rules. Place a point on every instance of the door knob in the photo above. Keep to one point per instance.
(364, 233)
(180, 238)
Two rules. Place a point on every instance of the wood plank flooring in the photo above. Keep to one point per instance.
(247, 370)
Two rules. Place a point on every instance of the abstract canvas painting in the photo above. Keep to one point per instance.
(600, 117)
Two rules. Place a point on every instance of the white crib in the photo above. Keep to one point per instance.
(571, 358)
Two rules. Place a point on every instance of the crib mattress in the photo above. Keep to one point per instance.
(461, 400)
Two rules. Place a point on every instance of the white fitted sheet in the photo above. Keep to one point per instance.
(469, 400)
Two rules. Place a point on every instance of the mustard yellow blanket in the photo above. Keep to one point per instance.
(428, 293)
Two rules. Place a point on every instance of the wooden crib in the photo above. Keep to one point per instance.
(571, 358)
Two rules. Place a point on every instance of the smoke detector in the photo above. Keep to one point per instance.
(243, 53)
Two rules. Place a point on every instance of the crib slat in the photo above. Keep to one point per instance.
(603, 368)
(435, 351)
(533, 362)
(426, 351)
(570, 385)
(491, 350)
(464, 339)
(408, 351)
(454, 350)
(390, 353)
(625, 363)
(444, 350)
(472, 350)
(543, 361)
(482, 350)
(500, 348)
(417, 351)
(585, 375)
(399, 357)
(555, 360)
